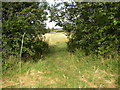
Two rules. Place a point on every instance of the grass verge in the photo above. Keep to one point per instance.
(60, 69)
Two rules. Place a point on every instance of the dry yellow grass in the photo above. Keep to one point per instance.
(60, 69)
(54, 38)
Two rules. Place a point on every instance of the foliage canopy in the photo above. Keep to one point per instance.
(23, 18)
(93, 27)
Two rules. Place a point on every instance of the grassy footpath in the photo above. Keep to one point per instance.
(60, 69)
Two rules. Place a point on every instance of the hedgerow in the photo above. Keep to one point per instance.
(92, 27)
(22, 22)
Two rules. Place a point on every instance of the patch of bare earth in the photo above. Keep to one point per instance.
(110, 83)
(29, 79)
(107, 83)
(10, 82)
(98, 80)
(89, 83)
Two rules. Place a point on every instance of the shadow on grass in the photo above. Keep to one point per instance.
(58, 48)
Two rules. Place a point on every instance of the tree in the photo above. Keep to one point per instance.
(93, 27)
(52, 29)
(23, 18)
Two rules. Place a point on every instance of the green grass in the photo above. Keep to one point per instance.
(60, 69)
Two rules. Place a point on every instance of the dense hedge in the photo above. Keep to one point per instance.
(23, 21)
(93, 27)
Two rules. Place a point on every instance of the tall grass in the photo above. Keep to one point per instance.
(61, 69)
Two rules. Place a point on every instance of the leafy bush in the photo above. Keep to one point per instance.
(23, 21)
(93, 27)
(22, 18)
(10, 63)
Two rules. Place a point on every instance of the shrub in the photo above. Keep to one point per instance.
(92, 27)
(22, 22)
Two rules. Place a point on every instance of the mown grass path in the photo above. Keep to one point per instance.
(60, 69)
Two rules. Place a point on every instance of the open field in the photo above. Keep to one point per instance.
(55, 38)
(60, 69)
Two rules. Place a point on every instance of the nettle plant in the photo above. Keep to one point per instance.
(23, 21)
(93, 27)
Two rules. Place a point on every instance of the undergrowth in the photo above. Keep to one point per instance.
(61, 69)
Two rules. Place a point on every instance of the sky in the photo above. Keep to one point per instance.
(52, 24)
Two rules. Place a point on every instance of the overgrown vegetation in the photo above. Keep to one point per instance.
(74, 60)
(61, 69)
(23, 22)
(92, 27)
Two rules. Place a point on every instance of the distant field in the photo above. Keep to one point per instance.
(54, 38)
